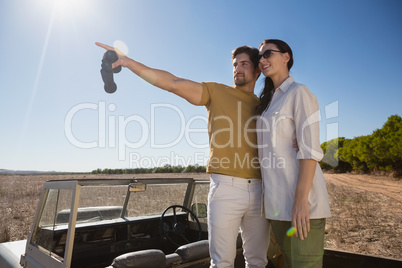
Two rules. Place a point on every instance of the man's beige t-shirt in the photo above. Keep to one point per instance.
(231, 129)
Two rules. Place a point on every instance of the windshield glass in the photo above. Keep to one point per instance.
(98, 203)
(107, 202)
(156, 199)
(43, 237)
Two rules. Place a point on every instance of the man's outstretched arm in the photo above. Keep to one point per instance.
(187, 89)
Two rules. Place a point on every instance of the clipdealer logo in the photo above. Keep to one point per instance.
(112, 133)
(112, 128)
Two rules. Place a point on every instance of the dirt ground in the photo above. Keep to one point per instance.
(366, 210)
(366, 214)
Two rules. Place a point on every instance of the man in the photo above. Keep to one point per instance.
(235, 196)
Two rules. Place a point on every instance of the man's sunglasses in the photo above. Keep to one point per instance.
(267, 54)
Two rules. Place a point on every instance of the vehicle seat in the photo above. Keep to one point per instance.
(155, 258)
(150, 258)
(193, 251)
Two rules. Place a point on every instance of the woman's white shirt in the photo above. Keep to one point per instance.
(292, 114)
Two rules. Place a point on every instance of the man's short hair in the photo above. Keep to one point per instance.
(250, 51)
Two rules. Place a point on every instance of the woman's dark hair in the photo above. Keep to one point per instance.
(266, 94)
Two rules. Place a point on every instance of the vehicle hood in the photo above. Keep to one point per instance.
(10, 253)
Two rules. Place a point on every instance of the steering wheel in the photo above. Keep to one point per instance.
(178, 227)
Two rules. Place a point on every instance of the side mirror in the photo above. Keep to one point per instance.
(199, 209)
(137, 187)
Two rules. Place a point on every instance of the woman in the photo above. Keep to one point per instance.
(295, 196)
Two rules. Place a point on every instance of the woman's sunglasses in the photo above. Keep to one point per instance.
(267, 54)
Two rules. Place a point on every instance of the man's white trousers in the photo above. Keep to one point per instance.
(235, 203)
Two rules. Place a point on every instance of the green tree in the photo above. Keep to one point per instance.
(387, 145)
(349, 153)
(382, 150)
(331, 159)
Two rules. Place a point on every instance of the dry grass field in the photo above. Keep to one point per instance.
(367, 210)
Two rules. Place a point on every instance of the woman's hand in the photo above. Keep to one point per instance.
(122, 59)
(301, 218)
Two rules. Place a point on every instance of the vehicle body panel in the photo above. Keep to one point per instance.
(10, 253)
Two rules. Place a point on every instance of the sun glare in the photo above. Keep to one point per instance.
(63, 5)
(67, 7)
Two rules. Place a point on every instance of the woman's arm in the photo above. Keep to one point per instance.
(301, 207)
(187, 89)
(306, 117)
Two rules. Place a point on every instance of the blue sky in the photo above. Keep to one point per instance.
(55, 114)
